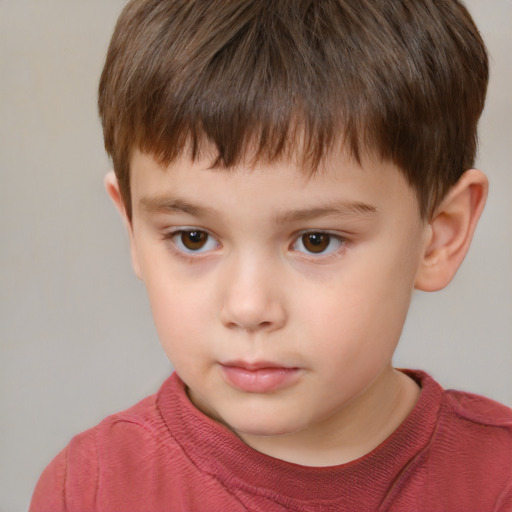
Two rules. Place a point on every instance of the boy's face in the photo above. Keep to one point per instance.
(278, 298)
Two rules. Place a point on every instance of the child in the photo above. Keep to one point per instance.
(289, 173)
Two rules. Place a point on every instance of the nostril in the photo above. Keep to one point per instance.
(248, 326)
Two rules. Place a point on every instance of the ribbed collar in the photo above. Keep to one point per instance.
(215, 450)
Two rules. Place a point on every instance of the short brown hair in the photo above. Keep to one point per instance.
(404, 79)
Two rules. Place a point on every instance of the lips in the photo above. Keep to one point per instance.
(259, 377)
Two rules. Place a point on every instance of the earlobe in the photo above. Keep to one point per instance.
(451, 230)
(112, 188)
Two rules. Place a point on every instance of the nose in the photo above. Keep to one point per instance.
(253, 298)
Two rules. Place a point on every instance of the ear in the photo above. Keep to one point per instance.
(112, 188)
(451, 229)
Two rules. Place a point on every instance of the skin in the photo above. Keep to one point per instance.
(253, 290)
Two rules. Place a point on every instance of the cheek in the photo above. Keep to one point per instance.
(173, 295)
(360, 318)
(178, 316)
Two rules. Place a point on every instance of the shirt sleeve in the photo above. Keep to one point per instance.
(505, 501)
(69, 483)
(49, 494)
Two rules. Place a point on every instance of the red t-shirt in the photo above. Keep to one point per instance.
(452, 453)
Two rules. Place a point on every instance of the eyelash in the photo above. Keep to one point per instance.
(193, 256)
(188, 254)
(337, 239)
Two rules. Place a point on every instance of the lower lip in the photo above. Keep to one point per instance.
(262, 380)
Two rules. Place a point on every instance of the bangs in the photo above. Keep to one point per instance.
(264, 80)
(279, 103)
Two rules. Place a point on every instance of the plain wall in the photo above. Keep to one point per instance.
(76, 336)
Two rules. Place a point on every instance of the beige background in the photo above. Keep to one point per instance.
(76, 337)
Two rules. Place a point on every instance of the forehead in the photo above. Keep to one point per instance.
(369, 185)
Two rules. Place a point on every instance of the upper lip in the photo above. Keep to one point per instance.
(255, 365)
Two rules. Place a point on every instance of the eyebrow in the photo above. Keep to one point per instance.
(343, 209)
(166, 204)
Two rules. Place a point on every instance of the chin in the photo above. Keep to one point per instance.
(252, 425)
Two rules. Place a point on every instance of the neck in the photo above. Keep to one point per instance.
(351, 432)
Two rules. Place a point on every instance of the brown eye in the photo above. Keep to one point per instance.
(193, 240)
(316, 242)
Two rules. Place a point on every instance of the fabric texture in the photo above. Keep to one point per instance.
(452, 453)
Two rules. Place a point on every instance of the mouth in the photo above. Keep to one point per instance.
(259, 376)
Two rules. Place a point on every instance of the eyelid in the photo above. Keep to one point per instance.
(172, 233)
(343, 242)
(194, 255)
